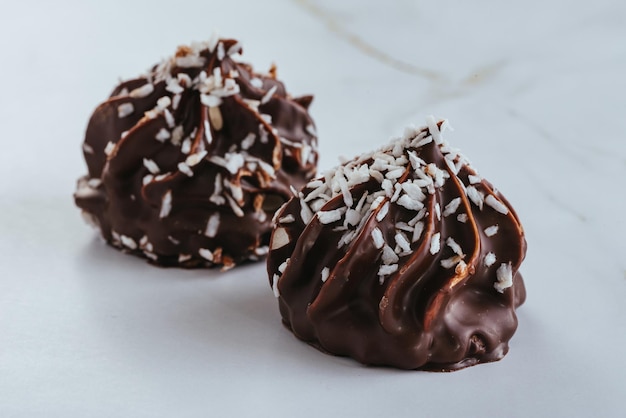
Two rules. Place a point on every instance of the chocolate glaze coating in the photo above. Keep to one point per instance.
(188, 163)
(404, 257)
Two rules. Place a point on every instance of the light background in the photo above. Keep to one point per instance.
(537, 94)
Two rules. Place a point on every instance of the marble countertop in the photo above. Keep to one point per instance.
(537, 95)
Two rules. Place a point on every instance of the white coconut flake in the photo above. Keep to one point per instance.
(377, 175)
(416, 162)
(330, 216)
(234, 206)
(346, 238)
(166, 204)
(420, 215)
(206, 254)
(433, 128)
(389, 256)
(87, 149)
(151, 256)
(234, 49)
(142, 91)
(176, 101)
(438, 211)
(151, 166)
(275, 285)
(462, 217)
(266, 98)
(177, 135)
(435, 243)
(184, 168)
(491, 231)
(402, 242)
(189, 61)
(382, 212)
(504, 276)
(345, 191)
(413, 190)
(128, 242)
(256, 82)
(248, 141)
(305, 212)
(94, 183)
(455, 246)
(450, 262)
(475, 196)
(490, 258)
(286, 219)
(474, 179)
(212, 225)
(411, 204)
(491, 200)
(316, 192)
(451, 207)
(377, 236)
(420, 142)
(234, 162)
(396, 193)
(163, 103)
(283, 266)
(386, 270)
(194, 159)
(186, 146)
(125, 109)
(325, 274)
(163, 135)
(403, 226)
(173, 86)
(461, 268)
(352, 217)
(169, 118)
(417, 232)
(210, 100)
(108, 150)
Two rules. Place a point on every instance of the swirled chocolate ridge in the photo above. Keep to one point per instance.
(188, 163)
(403, 257)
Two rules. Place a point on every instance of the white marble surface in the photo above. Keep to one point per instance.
(536, 92)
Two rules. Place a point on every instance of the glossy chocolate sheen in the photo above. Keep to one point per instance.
(404, 257)
(188, 163)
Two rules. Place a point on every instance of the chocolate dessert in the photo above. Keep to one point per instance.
(188, 163)
(403, 257)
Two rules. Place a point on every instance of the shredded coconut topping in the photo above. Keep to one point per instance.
(212, 225)
(504, 276)
(491, 231)
(325, 274)
(435, 243)
(496, 204)
(377, 236)
(125, 109)
(166, 204)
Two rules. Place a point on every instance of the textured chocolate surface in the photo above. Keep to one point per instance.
(404, 257)
(188, 163)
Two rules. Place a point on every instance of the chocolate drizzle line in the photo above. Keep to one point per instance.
(188, 163)
(403, 257)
